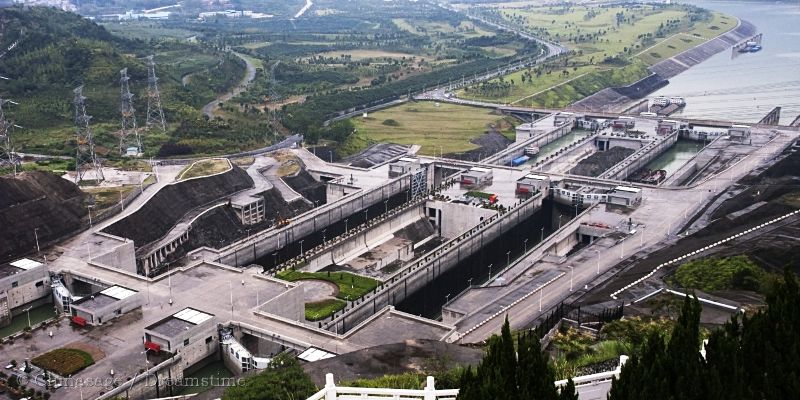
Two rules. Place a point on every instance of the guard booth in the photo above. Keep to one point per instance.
(531, 184)
(666, 126)
(476, 176)
(739, 132)
(403, 166)
(625, 196)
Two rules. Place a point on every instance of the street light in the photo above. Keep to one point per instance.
(345, 225)
(541, 289)
(386, 206)
(301, 247)
(508, 259)
(366, 218)
(598, 262)
(28, 311)
(525, 243)
(542, 238)
(490, 271)
(323, 235)
(36, 235)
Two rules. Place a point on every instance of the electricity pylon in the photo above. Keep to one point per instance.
(85, 157)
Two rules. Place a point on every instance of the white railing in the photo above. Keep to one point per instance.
(333, 392)
(602, 376)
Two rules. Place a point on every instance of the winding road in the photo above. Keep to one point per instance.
(211, 108)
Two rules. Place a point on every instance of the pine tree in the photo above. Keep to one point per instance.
(568, 391)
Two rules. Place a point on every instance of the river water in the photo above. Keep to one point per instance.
(747, 87)
(674, 158)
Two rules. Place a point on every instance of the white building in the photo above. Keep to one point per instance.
(21, 282)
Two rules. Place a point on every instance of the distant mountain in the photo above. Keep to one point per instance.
(55, 52)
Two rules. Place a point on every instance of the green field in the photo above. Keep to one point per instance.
(319, 310)
(600, 44)
(447, 128)
(351, 286)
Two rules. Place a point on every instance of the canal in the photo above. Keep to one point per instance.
(20, 322)
(490, 259)
(674, 158)
(553, 147)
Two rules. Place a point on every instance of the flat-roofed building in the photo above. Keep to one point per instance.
(531, 184)
(21, 282)
(476, 176)
(189, 332)
(403, 166)
(739, 132)
(104, 305)
(625, 196)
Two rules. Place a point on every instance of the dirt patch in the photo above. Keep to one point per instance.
(490, 143)
(96, 353)
(308, 187)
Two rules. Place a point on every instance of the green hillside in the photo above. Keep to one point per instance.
(58, 51)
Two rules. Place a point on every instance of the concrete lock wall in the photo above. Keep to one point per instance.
(365, 240)
(289, 304)
(428, 267)
(640, 158)
(270, 240)
(453, 219)
(153, 383)
(335, 191)
(123, 257)
(517, 149)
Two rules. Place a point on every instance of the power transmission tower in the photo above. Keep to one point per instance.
(129, 135)
(85, 157)
(274, 97)
(6, 149)
(155, 114)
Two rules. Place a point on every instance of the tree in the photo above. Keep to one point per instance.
(283, 379)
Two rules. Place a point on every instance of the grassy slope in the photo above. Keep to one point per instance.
(614, 42)
(447, 128)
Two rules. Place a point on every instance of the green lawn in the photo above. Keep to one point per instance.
(64, 362)
(592, 32)
(351, 286)
(447, 128)
(318, 310)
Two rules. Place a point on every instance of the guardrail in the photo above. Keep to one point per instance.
(698, 251)
(333, 392)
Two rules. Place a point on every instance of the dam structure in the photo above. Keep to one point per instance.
(406, 245)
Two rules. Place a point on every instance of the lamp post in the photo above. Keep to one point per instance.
(323, 235)
(490, 271)
(36, 235)
(525, 243)
(386, 206)
(345, 225)
(508, 259)
(366, 218)
(89, 208)
(598, 262)
(28, 311)
(541, 289)
(301, 247)
(542, 238)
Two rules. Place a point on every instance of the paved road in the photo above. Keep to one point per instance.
(211, 108)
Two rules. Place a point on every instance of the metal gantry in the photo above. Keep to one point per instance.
(155, 114)
(129, 134)
(7, 155)
(85, 157)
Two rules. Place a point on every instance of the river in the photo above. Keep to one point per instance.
(747, 87)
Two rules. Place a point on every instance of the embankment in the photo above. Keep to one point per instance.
(37, 200)
(167, 207)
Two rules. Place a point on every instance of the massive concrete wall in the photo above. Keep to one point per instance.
(640, 158)
(362, 241)
(429, 266)
(518, 148)
(453, 219)
(272, 239)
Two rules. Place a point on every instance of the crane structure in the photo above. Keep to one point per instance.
(85, 157)
(155, 113)
(130, 142)
(7, 155)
